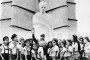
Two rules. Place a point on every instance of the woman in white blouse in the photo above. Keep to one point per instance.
(76, 47)
(55, 50)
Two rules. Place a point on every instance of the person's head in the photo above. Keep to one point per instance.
(31, 40)
(61, 44)
(69, 42)
(35, 46)
(59, 40)
(6, 39)
(75, 38)
(42, 37)
(21, 40)
(14, 37)
(50, 44)
(54, 42)
(64, 42)
(27, 42)
(81, 40)
(42, 6)
(87, 39)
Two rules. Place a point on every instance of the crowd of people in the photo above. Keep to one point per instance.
(77, 48)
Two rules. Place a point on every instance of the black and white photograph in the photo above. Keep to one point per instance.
(44, 29)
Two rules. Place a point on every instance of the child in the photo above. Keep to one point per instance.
(4, 49)
(62, 51)
(69, 50)
(27, 50)
(49, 50)
(21, 49)
(55, 50)
(13, 47)
(34, 51)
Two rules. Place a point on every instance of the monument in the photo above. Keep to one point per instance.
(42, 22)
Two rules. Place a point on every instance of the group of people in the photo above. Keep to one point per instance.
(77, 48)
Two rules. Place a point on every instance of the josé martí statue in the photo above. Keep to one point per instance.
(42, 22)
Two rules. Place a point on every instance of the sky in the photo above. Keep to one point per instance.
(82, 15)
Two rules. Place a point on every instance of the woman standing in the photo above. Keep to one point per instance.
(69, 50)
(55, 50)
(76, 48)
(34, 51)
(87, 48)
(62, 51)
(49, 50)
(82, 45)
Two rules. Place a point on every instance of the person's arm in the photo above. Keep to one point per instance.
(57, 51)
(48, 51)
(26, 57)
(25, 53)
(20, 56)
(10, 53)
(1, 54)
(34, 38)
(17, 52)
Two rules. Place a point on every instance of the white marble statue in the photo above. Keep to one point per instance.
(42, 22)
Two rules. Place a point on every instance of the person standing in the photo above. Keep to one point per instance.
(87, 48)
(13, 47)
(34, 51)
(55, 50)
(69, 50)
(27, 50)
(76, 48)
(20, 47)
(4, 49)
(49, 50)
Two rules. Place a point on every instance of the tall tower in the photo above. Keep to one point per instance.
(17, 17)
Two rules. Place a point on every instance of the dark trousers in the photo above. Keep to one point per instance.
(13, 57)
(29, 57)
(22, 56)
(5, 56)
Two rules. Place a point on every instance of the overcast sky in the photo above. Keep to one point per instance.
(82, 15)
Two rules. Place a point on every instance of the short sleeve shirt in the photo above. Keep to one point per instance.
(54, 50)
(13, 47)
(4, 49)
